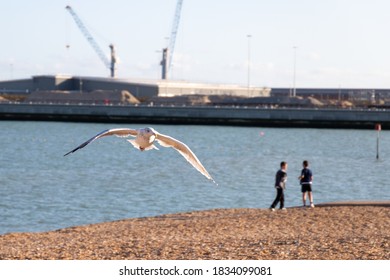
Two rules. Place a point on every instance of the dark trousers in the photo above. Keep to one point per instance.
(279, 198)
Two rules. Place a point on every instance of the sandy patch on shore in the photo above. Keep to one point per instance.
(326, 232)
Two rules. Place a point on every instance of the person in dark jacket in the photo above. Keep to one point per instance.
(280, 185)
(306, 180)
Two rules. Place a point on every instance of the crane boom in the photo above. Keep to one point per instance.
(175, 27)
(92, 42)
(166, 61)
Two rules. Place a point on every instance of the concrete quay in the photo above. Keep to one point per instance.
(205, 115)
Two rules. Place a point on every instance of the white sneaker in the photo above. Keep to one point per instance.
(284, 209)
(312, 205)
(272, 209)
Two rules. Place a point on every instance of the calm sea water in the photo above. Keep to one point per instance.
(42, 190)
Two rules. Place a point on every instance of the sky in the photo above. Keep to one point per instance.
(278, 43)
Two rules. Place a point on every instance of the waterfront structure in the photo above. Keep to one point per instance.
(141, 89)
(144, 102)
(147, 89)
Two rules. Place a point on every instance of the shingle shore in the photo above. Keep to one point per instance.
(342, 232)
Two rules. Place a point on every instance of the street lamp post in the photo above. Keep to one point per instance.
(12, 70)
(294, 91)
(249, 62)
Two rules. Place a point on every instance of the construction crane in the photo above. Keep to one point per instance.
(92, 42)
(167, 52)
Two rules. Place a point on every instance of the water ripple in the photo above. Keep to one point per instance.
(109, 180)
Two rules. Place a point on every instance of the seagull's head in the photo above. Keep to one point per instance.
(150, 133)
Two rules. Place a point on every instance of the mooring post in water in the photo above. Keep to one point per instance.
(378, 128)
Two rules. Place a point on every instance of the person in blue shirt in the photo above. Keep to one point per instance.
(280, 185)
(306, 180)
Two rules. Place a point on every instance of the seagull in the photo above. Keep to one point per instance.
(144, 140)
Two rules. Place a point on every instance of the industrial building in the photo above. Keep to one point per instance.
(141, 89)
(148, 89)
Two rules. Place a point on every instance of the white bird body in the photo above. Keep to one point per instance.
(144, 140)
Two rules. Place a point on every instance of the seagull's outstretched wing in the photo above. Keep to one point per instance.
(185, 151)
(121, 132)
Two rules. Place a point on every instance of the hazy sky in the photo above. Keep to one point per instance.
(339, 43)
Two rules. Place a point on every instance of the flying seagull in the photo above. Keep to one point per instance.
(144, 140)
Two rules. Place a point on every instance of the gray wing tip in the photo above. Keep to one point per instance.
(72, 151)
(79, 147)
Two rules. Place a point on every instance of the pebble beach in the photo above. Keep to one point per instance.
(340, 231)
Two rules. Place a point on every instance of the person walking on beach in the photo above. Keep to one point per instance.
(306, 180)
(280, 185)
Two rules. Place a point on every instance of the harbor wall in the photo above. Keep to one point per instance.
(207, 115)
